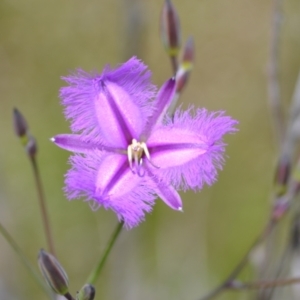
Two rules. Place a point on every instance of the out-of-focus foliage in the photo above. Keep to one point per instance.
(172, 255)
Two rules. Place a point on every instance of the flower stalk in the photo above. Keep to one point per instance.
(98, 268)
(29, 143)
(23, 259)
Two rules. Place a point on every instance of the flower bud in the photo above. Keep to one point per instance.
(20, 124)
(188, 57)
(186, 65)
(53, 272)
(31, 146)
(87, 292)
(170, 29)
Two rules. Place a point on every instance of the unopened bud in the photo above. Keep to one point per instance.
(186, 65)
(31, 146)
(20, 124)
(53, 272)
(188, 57)
(87, 292)
(170, 29)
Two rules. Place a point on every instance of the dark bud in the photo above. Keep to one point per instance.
(20, 124)
(186, 65)
(87, 292)
(188, 57)
(31, 146)
(53, 272)
(170, 29)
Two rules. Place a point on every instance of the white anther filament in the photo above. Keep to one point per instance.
(135, 152)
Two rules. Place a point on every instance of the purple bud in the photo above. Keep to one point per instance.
(53, 272)
(186, 65)
(31, 146)
(170, 29)
(20, 124)
(188, 57)
(87, 292)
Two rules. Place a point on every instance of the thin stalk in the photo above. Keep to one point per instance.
(273, 74)
(227, 283)
(42, 204)
(174, 64)
(23, 258)
(264, 284)
(97, 270)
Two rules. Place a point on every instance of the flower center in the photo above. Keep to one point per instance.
(135, 153)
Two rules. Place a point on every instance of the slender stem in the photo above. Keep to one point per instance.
(97, 270)
(23, 258)
(264, 284)
(42, 204)
(240, 266)
(174, 64)
(273, 78)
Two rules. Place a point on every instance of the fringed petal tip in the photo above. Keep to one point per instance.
(81, 180)
(201, 169)
(81, 97)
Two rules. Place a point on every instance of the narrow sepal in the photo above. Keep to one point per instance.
(167, 193)
(161, 104)
(78, 144)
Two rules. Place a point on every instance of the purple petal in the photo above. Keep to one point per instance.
(78, 144)
(82, 101)
(161, 104)
(106, 180)
(190, 166)
(120, 120)
(172, 146)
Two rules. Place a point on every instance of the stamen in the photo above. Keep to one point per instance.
(129, 154)
(135, 153)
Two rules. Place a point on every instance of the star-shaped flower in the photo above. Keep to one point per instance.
(127, 150)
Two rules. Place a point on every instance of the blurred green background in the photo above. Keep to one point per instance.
(171, 255)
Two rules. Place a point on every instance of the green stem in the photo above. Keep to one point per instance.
(97, 270)
(42, 203)
(23, 258)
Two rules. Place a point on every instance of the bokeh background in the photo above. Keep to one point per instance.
(171, 255)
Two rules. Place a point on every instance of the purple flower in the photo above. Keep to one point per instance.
(127, 150)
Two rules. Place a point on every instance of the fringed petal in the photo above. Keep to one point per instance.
(106, 181)
(131, 91)
(188, 164)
